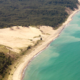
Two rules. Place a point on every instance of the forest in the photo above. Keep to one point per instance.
(5, 61)
(31, 13)
(34, 12)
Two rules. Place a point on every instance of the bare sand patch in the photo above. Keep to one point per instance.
(19, 71)
(21, 36)
(18, 37)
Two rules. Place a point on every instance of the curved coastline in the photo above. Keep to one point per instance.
(23, 72)
(18, 74)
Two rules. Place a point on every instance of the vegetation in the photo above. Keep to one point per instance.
(34, 12)
(30, 12)
(6, 59)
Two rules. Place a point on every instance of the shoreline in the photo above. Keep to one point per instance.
(23, 71)
(36, 56)
(18, 74)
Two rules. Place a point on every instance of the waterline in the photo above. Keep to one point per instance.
(59, 59)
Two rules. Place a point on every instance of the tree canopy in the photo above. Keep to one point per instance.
(34, 12)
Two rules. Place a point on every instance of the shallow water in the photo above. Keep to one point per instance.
(61, 60)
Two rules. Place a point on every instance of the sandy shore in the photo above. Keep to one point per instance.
(19, 70)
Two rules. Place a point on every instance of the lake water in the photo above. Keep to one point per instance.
(61, 60)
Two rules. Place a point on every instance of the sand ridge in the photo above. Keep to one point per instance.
(19, 71)
(18, 37)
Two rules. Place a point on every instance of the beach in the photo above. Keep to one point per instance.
(18, 73)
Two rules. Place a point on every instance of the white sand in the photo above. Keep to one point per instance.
(17, 38)
(20, 37)
(19, 71)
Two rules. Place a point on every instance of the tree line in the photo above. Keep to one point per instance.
(34, 12)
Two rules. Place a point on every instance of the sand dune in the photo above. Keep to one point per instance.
(18, 37)
(19, 71)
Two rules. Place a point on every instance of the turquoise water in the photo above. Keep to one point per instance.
(61, 60)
